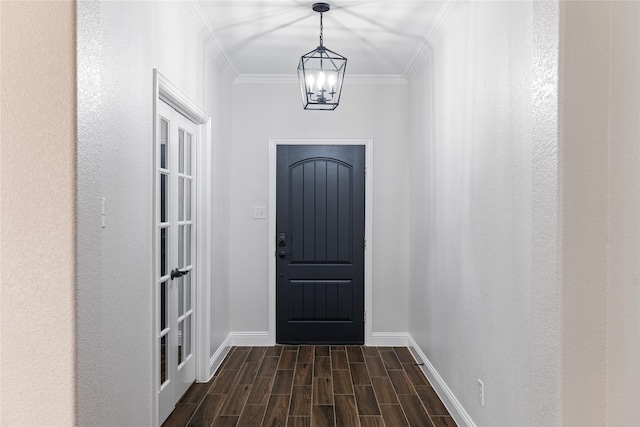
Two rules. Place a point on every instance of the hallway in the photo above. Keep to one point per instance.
(505, 217)
(313, 386)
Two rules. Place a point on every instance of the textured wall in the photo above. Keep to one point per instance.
(624, 217)
(37, 213)
(483, 210)
(119, 44)
(545, 220)
(261, 111)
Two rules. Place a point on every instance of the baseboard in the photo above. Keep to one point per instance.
(389, 339)
(219, 355)
(258, 339)
(261, 338)
(454, 406)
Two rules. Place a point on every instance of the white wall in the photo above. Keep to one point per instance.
(530, 268)
(37, 213)
(623, 332)
(119, 44)
(217, 92)
(274, 109)
(479, 254)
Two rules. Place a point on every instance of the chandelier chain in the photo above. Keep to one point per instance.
(321, 27)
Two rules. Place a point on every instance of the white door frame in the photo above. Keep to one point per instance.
(368, 227)
(164, 90)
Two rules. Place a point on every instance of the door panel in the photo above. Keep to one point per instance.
(175, 184)
(329, 300)
(320, 247)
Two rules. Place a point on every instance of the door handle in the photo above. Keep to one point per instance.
(282, 254)
(282, 239)
(178, 273)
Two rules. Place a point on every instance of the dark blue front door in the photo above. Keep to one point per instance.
(320, 211)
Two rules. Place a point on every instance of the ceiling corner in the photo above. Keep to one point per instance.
(440, 24)
(196, 15)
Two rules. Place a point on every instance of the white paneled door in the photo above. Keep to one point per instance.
(175, 255)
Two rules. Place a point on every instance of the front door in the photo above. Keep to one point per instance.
(320, 230)
(175, 252)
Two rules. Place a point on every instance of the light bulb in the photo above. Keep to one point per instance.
(321, 81)
(332, 80)
(310, 83)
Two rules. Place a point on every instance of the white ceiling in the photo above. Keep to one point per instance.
(268, 36)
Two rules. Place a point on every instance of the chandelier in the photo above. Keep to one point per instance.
(321, 73)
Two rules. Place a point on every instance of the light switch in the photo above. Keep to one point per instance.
(259, 212)
(104, 212)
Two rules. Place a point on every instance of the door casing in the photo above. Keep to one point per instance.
(165, 91)
(368, 256)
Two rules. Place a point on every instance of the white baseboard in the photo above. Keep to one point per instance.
(389, 339)
(219, 355)
(261, 338)
(452, 404)
(257, 339)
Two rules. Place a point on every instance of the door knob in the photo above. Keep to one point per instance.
(178, 273)
(282, 254)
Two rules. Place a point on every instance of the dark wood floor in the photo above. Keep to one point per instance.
(314, 386)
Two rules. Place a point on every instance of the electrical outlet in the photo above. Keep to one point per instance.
(480, 393)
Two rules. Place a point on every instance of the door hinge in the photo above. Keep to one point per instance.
(364, 243)
(365, 316)
(365, 171)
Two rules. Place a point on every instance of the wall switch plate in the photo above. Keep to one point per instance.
(480, 393)
(103, 213)
(259, 212)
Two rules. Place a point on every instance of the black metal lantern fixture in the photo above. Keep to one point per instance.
(321, 73)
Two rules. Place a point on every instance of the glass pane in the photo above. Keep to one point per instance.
(163, 360)
(180, 296)
(189, 184)
(187, 336)
(163, 198)
(164, 135)
(163, 305)
(181, 151)
(181, 199)
(163, 252)
(187, 289)
(188, 154)
(180, 336)
(180, 246)
(188, 245)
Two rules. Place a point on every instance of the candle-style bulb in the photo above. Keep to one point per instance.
(321, 81)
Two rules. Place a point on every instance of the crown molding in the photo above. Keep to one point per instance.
(442, 20)
(352, 79)
(199, 19)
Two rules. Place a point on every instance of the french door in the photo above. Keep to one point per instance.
(175, 254)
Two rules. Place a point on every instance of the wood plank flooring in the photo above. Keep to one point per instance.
(314, 386)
